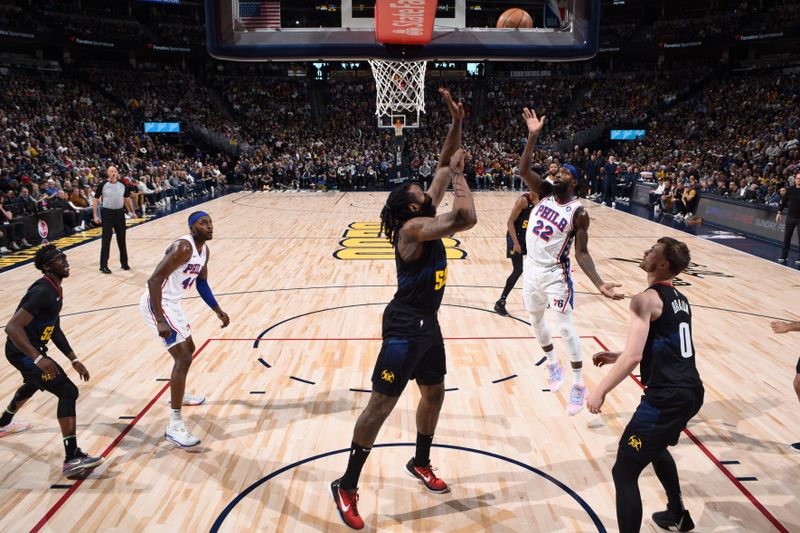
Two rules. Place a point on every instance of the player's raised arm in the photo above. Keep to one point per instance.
(177, 254)
(452, 142)
(532, 179)
(585, 260)
(462, 217)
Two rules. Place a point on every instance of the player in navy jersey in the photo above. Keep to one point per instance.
(556, 221)
(413, 347)
(784, 327)
(515, 245)
(36, 322)
(660, 342)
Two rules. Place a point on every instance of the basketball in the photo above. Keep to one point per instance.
(515, 18)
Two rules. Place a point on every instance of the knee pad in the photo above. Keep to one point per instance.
(540, 329)
(567, 331)
(25, 392)
(67, 394)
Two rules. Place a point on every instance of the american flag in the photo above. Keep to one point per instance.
(260, 14)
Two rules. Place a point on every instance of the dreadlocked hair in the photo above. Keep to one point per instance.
(396, 212)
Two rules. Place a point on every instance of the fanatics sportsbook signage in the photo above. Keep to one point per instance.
(755, 220)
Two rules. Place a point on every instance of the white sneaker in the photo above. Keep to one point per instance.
(190, 399)
(177, 433)
(15, 426)
(4, 250)
(577, 397)
(613, 205)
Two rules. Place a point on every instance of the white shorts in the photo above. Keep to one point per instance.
(173, 314)
(547, 287)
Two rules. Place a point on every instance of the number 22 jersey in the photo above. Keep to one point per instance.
(550, 232)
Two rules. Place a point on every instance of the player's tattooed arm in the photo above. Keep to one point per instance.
(452, 143)
(177, 254)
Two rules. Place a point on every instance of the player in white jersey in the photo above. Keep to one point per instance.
(184, 264)
(555, 222)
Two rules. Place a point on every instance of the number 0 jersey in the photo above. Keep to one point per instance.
(183, 277)
(550, 232)
(668, 355)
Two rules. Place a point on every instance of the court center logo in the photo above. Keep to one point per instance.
(363, 241)
(635, 442)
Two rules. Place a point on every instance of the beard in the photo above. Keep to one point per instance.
(427, 209)
(561, 187)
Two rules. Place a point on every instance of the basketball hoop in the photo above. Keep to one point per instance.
(401, 88)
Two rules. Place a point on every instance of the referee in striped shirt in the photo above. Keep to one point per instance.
(115, 197)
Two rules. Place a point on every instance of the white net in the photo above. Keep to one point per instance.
(400, 86)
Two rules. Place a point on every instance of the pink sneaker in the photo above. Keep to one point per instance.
(555, 375)
(14, 427)
(577, 397)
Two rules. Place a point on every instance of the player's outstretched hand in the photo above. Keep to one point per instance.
(532, 121)
(81, 370)
(456, 108)
(607, 290)
(595, 401)
(780, 327)
(223, 316)
(605, 358)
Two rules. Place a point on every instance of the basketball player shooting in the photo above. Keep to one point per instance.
(555, 222)
(413, 347)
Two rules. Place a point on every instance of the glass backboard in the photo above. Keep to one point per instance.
(299, 30)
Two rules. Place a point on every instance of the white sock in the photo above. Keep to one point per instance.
(577, 376)
(551, 357)
(175, 416)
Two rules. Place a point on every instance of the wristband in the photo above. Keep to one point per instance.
(36, 361)
(76, 360)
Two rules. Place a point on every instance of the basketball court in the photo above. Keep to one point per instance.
(287, 379)
(305, 277)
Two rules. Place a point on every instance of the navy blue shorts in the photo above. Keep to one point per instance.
(413, 348)
(658, 422)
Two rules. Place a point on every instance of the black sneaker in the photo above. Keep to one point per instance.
(673, 521)
(80, 464)
(796, 447)
(500, 307)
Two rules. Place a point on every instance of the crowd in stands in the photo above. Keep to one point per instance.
(734, 134)
(58, 134)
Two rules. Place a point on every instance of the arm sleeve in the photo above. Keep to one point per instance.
(205, 293)
(60, 340)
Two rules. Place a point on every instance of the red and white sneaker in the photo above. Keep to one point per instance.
(14, 426)
(425, 475)
(346, 503)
